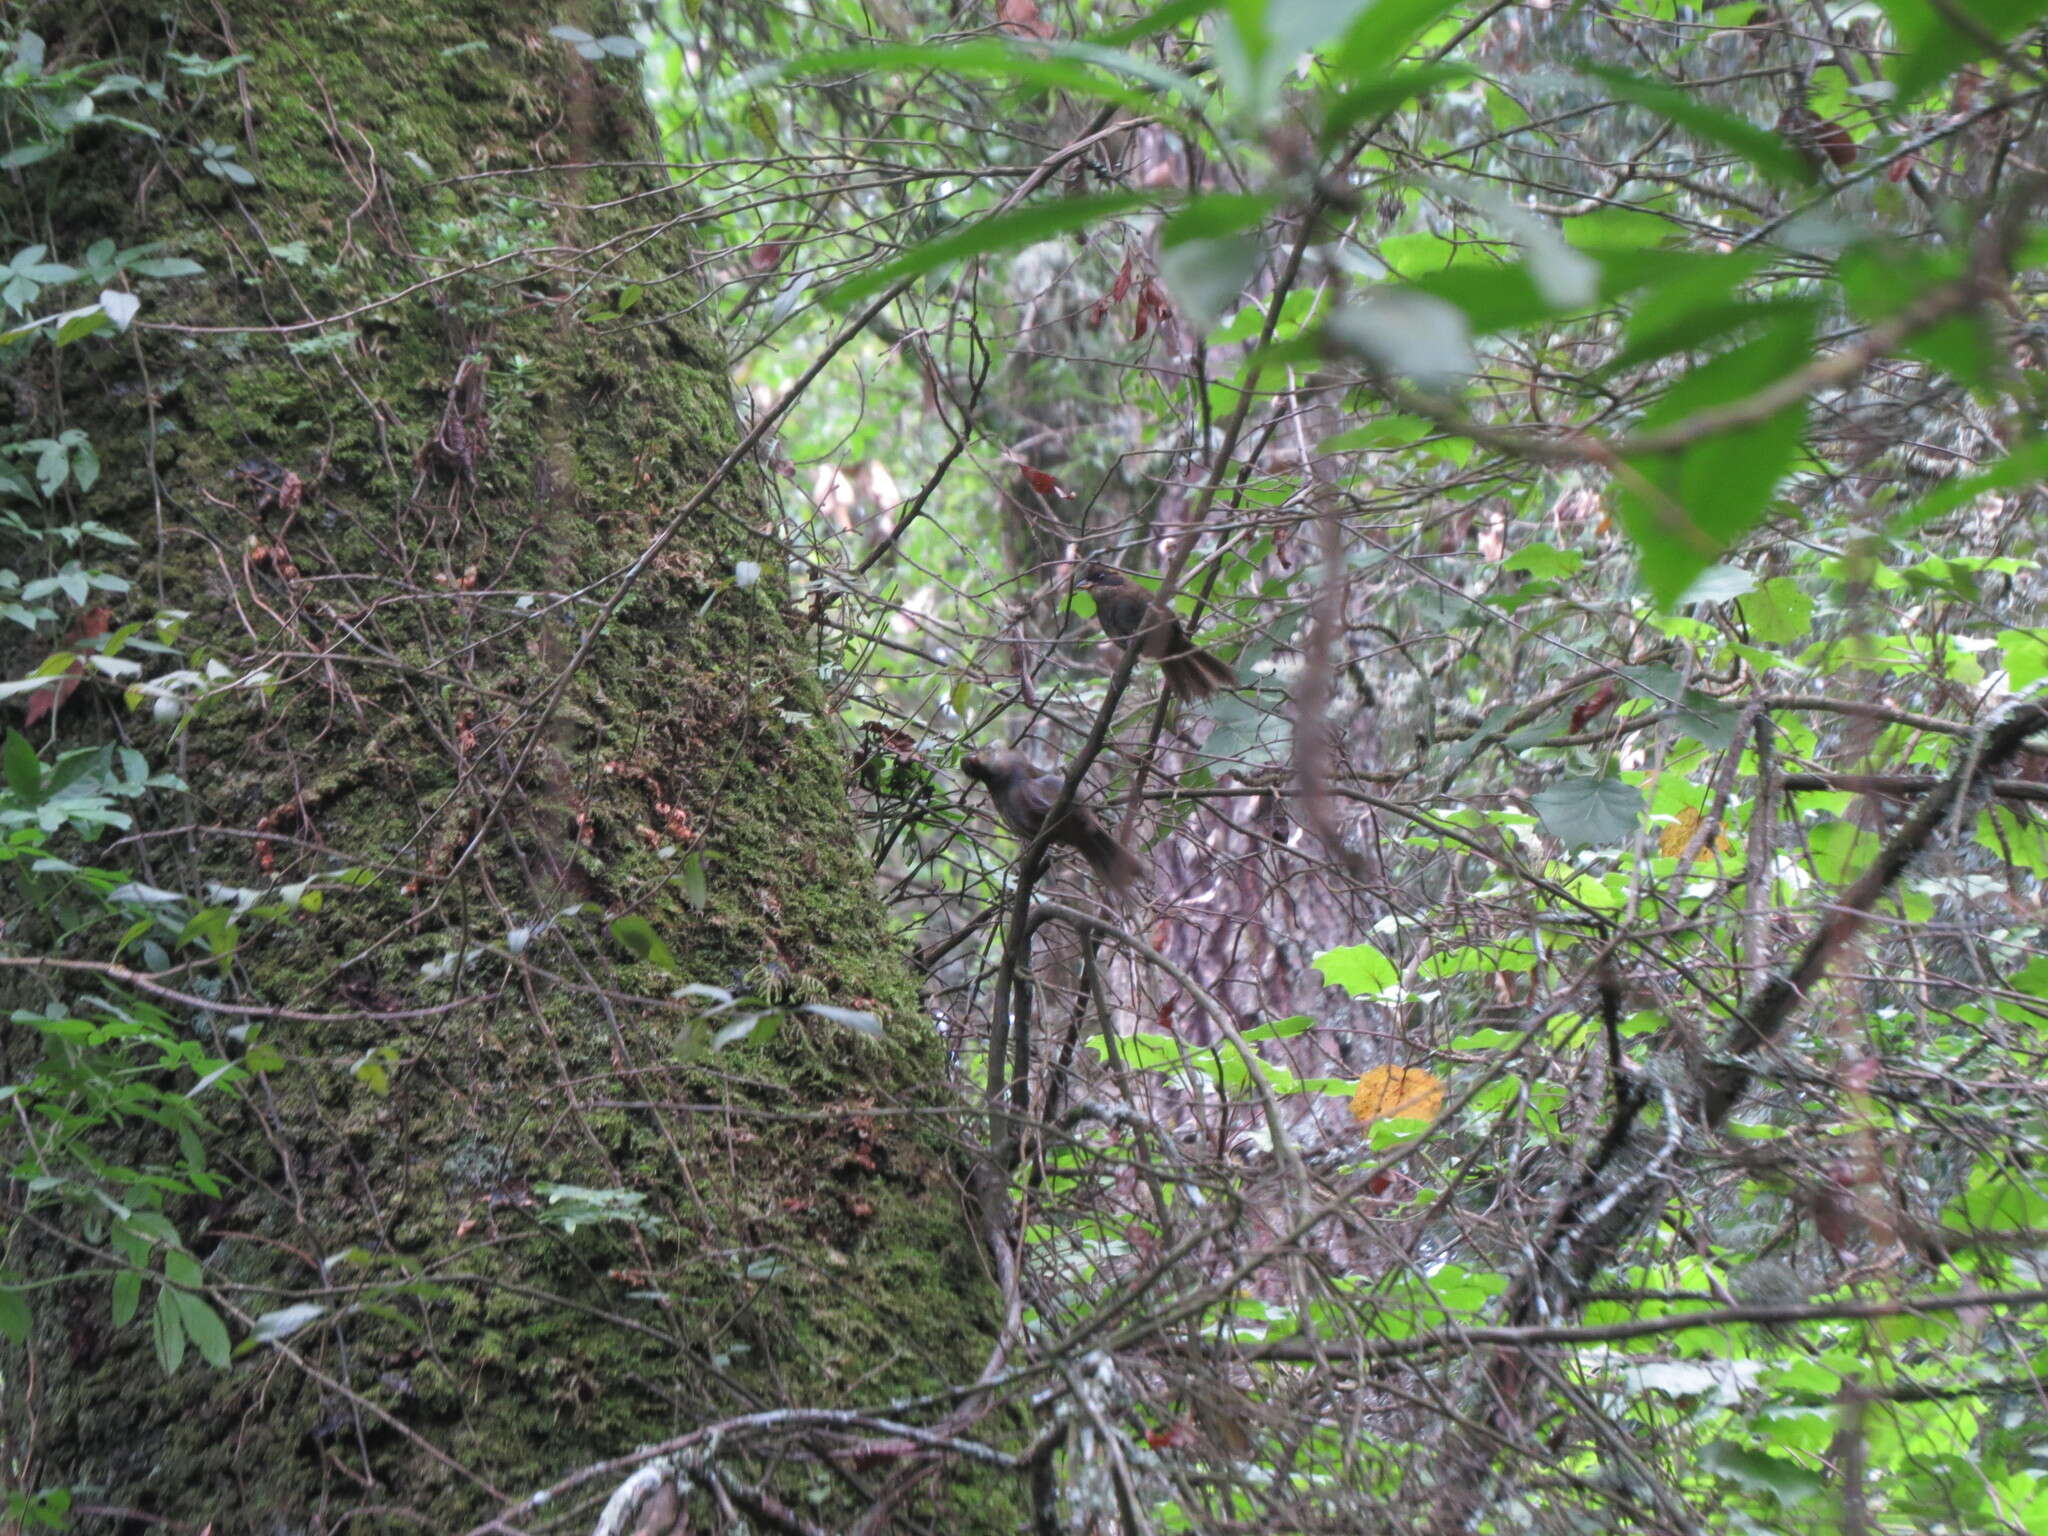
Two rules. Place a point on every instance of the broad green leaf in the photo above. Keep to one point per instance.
(1172, 14)
(1761, 147)
(1257, 47)
(998, 232)
(1493, 298)
(1282, 1029)
(203, 1325)
(1052, 65)
(1684, 509)
(2024, 466)
(1718, 584)
(1590, 813)
(1359, 969)
(1382, 33)
(1378, 95)
(638, 935)
(2026, 656)
(15, 1319)
(1206, 276)
(1998, 1199)
(23, 769)
(1545, 563)
(1777, 613)
(1786, 1481)
(166, 266)
(167, 1331)
(1934, 39)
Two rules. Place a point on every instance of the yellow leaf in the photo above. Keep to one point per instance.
(1406, 1093)
(1672, 841)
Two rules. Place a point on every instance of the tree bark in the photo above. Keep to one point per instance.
(437, 392)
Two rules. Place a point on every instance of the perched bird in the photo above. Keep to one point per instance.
(1023, 796)
(1128, 612)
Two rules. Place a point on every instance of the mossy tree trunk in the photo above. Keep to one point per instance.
(410, 514)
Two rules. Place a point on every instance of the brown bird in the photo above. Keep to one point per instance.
(1023, 797)
(1128, 612)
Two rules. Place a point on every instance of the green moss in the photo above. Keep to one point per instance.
(807, 1244)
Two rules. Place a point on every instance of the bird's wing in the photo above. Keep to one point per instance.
(1040, 793)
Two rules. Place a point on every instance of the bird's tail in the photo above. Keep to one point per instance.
(1114, 864)
(1197, 674)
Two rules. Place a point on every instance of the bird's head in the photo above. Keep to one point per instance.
(1095, 576)
(993, 765)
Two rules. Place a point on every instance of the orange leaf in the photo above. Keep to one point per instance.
(1406, 1093)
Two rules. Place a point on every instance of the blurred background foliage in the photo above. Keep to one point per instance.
(1603, 439)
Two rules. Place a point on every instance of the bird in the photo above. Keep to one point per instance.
(1023, 795)
(1128, 612)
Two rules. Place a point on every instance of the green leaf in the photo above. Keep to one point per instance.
(1782, 1479)
(1777, 613)
(23, 769)
(167, 1331)
(638, 935)
(1359, 969)
(85, 466)
(998, 232)
(1075, 67)
(166, 266)
(1206, 276)
(1383, 32)
(1379, 94)
(1590, 813)
(204, 1327)
(2024, 466)
(15, 1319)
(180, 1268)
(1545, 563)
(1717, 584)
(694, 891)
(1282, 1029)
(1933, 40)
(1685, 508)
(1759, 146)
(80, 323)
(1171, 14)
(2026, 656)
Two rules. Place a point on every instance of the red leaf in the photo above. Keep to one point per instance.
(90, 625)
(1593, 706)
